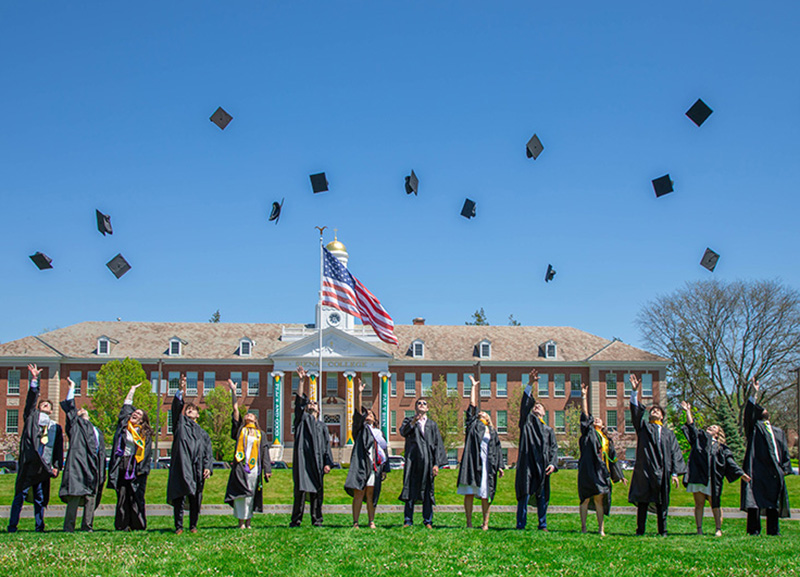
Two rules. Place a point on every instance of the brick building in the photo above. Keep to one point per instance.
(262, 358)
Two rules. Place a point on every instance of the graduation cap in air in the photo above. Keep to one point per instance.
(275, 214)
(550, 274)
(221, 118)
(412, 183)
(468, 210)
(318, 182)
(662, 185)
(699, 112)
(42, 261)
(103, 223)
(534, 147)
(118, 265)
(709, 259)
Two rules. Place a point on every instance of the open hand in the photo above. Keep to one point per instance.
(71, 384)
(301, 372)
(35, 371)
(635, 382)
(360, 385)
(686, 406)
(534, 375)
(756, 385)
(232, 386)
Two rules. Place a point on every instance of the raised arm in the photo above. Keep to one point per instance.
(687, 408)
(177, 403)
(131, 393)
(528, 400)
(637, 411)
(473, 394)
(234, 400)
(68, 406)
(301, 386)
(33, 391)
(584, 398)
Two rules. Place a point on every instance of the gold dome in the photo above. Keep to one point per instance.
(336, 246)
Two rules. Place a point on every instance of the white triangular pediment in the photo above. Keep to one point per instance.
(340, 352)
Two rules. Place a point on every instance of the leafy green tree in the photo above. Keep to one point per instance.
(446, 411)
(478, 319)
(216, 420)
(114, 380)
(572, 431)
(216, 317)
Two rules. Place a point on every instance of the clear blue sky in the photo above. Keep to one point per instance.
(106, 106)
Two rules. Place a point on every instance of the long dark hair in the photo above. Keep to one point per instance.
(145, 429)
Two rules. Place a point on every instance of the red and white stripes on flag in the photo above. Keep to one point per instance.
(341, 290)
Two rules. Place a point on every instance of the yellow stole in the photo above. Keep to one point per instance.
(241, 444)
(604, 447)
(659, 423)
(138, 440)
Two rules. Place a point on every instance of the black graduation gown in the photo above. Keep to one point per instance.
(767, 489)
(594, 478)
(656, 462)
(237, 481)
(710, 461)
(537, 450)
(85, 467)
(470, 470)
(422, 452)
(191, 454)
(361, 465)
(33, 468)
(312, 449)
(116, 473)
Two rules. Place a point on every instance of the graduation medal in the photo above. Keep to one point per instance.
(239, 456)
(44, 439)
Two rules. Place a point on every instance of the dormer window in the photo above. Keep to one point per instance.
(418, 349)
(245, 347)
(550, 350)
(485, 349)
(175, 347)
(103, 346)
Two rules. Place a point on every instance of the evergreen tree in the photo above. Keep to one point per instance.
(478, 319)
(733, 438)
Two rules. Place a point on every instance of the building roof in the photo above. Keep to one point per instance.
(446, 343)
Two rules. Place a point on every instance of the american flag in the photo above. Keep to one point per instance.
(341, 290)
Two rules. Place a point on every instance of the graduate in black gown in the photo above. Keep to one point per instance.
(251, 462)
(131, 454)
(41, 453)
(311, 456)
(710, 463)
(424, 454)
(598, 467)
(537, 457)
(190, 460)
(482, 460)
(85, 466)
(766, 461)
(658, 458)
(369, 463)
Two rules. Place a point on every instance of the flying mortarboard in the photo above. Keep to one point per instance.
(104, 223)
(319, 183)
(710, 259)
(534, 147)
(276, 211)
(468, 210)
(221, 118)
(118, 265)
(42, 261)
(412, 183)
(699, 112)
(662, 185)
(551, 272)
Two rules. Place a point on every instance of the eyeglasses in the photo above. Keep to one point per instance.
(420, 403)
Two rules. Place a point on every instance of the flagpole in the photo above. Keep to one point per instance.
(319, 326)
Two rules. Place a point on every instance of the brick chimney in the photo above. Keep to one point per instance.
(419, 321)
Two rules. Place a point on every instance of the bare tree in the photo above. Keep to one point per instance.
(721, 336)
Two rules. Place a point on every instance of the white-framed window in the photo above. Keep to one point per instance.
(410, 385)
(550, 350)
(452, 384)
(236, 377)
(611, 385)
(393, 429)
(627, 387)
(407, 414)
(501, 380)
(175, 347)
(418, 349)
(103, 346)
(630, 453)
(575, 385)
(629, 428)
(502, 422)
(559, 382)
(191, 383)
(543, 390)
(174, 382)
(647, 385)
(253, 383)
(560, 424)
(169, 421)
(13, 381)
(486, 385)
(91, 382)
(77, 378)
(485, 349)
(467, 384)
(611, 421)
(426, 379)
(331, 384)
(209, 380)
(366, 378)
(12, 421)
(394, 385)
(245, 347)
(154, 388)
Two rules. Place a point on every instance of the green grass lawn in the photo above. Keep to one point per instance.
(279, 490)
(271, 548)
